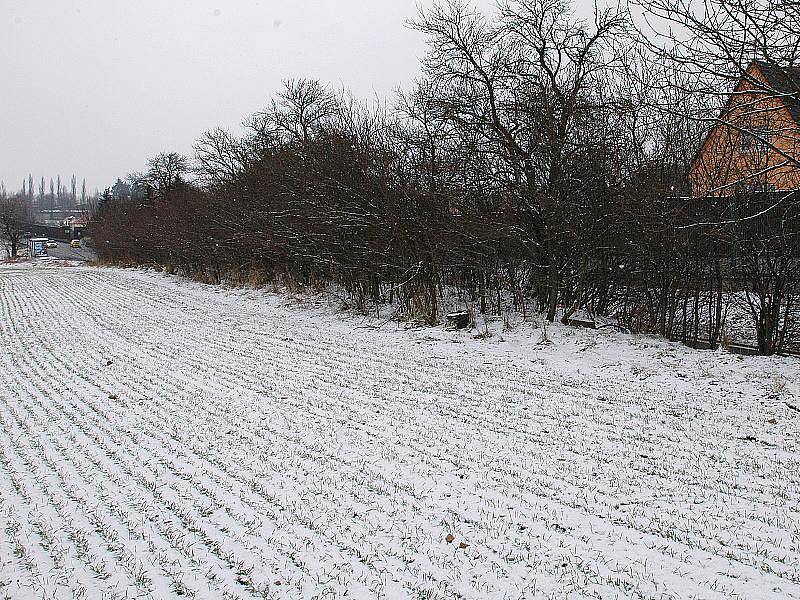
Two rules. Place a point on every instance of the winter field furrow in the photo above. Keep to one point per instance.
(160, 438)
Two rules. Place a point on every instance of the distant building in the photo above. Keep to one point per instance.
(755, 146)
(77, 225)
(58, 217)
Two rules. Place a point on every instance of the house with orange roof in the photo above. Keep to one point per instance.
(754, 145)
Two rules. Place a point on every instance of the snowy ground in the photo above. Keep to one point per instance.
(160, 438)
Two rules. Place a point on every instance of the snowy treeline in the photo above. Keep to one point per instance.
(540, 162)
(39, 195)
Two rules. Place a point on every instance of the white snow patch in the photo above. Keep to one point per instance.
(162, 438)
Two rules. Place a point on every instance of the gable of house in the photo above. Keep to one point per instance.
(766, 103)
(786, 82)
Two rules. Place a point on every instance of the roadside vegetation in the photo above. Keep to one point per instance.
(539, 165)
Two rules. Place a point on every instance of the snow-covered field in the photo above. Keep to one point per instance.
(159, 438)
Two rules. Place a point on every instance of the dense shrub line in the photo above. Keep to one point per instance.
(514, 189)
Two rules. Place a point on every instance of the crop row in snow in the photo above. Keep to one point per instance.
(160, 438)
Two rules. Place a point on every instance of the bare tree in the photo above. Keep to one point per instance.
(221, 157)
(164, 172)
(14, 219)
(302, 108)
(526, 85)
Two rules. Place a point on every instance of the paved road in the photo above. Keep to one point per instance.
(64, 251)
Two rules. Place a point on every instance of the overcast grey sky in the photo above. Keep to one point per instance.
(95, 87)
